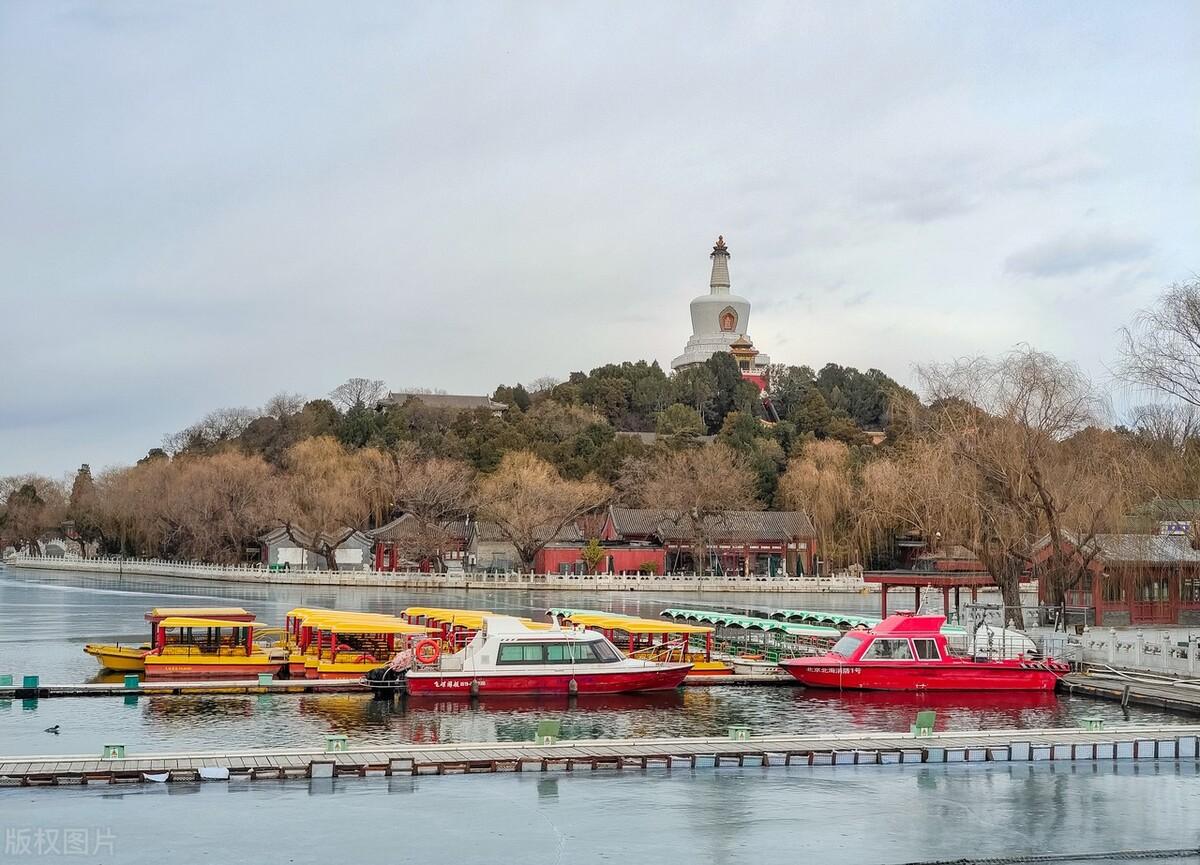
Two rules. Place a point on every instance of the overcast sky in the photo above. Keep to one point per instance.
(202, 204)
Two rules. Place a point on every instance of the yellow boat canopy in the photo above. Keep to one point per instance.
(472, 619)
(188, 622)
(367, 626)
(196, 612)
(636, 626)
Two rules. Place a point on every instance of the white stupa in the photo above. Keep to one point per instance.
(719, 320)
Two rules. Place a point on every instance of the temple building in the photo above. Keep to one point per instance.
(720, 321)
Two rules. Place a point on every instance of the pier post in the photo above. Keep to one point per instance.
(1193, 646)
(1112, 645)
(1139, 648)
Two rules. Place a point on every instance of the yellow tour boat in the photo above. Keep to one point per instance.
(131, 659)
(197, 648)
(338, 644)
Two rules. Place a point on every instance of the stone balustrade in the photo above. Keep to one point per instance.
(363, 576)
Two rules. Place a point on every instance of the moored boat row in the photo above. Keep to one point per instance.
(435, 650)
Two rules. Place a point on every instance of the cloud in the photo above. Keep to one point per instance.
(1071, 254)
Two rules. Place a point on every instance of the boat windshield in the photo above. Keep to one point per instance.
(847, 645)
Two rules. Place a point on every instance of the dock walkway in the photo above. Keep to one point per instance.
(1157, 742)
(295, 686)
(1178, 695)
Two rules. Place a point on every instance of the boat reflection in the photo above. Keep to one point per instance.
(500, 718)
(895, 710)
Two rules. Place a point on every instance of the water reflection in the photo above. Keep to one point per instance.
(46, 618)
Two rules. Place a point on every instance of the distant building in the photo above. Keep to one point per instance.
(279, 549)
(1134, 579)
(720, 322)
(395, 539)
(765, 543)
(445, 401)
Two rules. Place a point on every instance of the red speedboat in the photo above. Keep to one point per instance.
(908, 652)
(508, 657)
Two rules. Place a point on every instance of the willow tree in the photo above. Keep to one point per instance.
(694, 489)
(820, 481)
(436, 492)
(530, 502)
(1036, 470)
(326, 494)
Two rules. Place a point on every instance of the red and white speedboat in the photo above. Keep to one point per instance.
(507, 657)
(908, 652)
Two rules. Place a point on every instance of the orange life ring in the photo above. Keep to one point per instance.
(427, 651)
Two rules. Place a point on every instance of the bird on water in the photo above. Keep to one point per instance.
(53, 729)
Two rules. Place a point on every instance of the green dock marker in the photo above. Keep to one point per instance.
(113, 752)
(334, 743)
(1092, 723)
(265, 679)
(132, 681)
(6, 680)
(31, 683)
(739, 733)
(548, 732)
(924, 726)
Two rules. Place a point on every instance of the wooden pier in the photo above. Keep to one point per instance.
(1158, 742)
(146, 689)
(293, 686)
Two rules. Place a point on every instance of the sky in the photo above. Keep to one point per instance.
(203, 204)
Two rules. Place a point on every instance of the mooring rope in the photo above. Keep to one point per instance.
(1126, 855)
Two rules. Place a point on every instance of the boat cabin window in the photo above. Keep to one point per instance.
(589, 652)
(847, 645)
(521, 653)
(927, 650)
(888, 650)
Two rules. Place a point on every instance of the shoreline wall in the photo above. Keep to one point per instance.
(419, 580)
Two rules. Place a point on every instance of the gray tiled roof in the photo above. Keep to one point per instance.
(407, 525)
(1131, 549)
(731, 525)
(486, 531)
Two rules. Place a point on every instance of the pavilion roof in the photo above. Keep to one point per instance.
(727, 525)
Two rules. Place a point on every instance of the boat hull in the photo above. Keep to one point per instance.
(119, 659)
(884, 676)
(184, 669)
(662, 678)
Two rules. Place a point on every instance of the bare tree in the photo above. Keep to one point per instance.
(1036, 471)
(31, 506)
(358, 393)
(530, 503)
(283, 404)
(1172, 425)
(215, 428)
(437, 493)
(324, 495)
(222, 503)
(820, 482)
(1161, 350)
(694, 489)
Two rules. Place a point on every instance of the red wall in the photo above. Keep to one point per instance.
(623, 558)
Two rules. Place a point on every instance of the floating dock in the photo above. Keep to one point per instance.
(1136, 689)
(1158, 742)
(293, 686)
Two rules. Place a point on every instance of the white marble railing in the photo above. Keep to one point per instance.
(1161, 650)
(363, 576)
